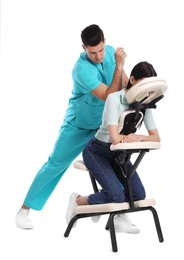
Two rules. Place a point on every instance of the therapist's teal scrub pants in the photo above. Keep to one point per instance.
(69, 145)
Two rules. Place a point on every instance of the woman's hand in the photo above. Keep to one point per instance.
(133, 138)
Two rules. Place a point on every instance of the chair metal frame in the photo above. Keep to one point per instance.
(124, 174)
(122, 159)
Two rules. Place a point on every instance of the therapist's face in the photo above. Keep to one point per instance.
(95, 53)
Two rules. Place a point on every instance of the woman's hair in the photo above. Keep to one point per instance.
(141, 70)
(92, 35)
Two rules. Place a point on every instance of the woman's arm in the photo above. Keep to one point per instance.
(153, 136)
(115, 137)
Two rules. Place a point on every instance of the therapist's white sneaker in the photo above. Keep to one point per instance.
(71, 208)
(123, 224)
(22, 220)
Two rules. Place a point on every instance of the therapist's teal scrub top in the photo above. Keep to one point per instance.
(84, 109)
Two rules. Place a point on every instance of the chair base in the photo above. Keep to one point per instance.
(114, 209)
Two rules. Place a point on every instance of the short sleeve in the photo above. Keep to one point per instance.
(149, 120)
(111, 110)
(87, 78)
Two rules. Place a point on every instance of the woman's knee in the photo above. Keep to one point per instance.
(117, 198)
(141, 195)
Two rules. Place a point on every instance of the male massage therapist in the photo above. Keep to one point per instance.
(97, 73)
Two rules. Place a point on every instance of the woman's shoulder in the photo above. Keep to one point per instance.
(118, 98)
(114, 97)
(116, 94)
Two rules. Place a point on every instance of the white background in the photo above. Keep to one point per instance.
(40, 42)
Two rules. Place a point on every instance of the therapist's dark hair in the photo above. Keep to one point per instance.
(141, 70)
(92, 35)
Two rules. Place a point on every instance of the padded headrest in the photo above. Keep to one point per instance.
(147, 89)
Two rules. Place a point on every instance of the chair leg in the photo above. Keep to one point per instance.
(110, 226)
(94, 183)
(70, 225)
(157, 224)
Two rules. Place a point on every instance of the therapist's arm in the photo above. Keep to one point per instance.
(119, 81)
